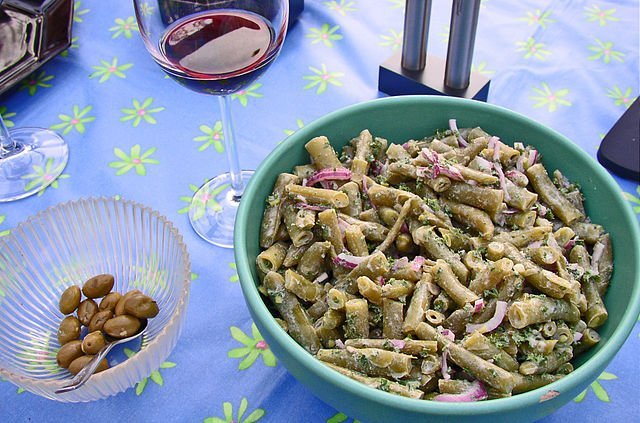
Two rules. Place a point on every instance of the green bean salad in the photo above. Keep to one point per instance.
(451, 268)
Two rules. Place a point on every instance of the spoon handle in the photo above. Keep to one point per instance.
(86, 372)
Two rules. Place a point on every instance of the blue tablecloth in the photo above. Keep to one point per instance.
(572, 65)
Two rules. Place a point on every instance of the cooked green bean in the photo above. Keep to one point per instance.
(322, 154)
(392, 318)
(415, 347)
(539, 309)
(479, 368)
(317, 196)
(370, 290)
(311, 264)
(356, 242)
(419, 304)
(552, 196)
(470, 216)
(301, 286)
(444, 276)
(371, 361)
(547, 363)
(328, 221)
(292, 312)
(435, 248)
(480, 345)
(487, 199)
(379, 383)
(271, 258)
(352, 190)
(298, 235)
(272, 213)
(356, 322)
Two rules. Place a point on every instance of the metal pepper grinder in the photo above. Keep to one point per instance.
(413, 71)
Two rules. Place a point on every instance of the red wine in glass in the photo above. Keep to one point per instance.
(218, 51)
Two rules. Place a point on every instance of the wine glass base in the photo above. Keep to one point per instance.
(41, 158)
(213, 209)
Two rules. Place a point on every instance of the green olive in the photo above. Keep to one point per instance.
(119, 310)
(98, 286)
(86, 310)
(122, 326)
(93, 342)
(98, 319)
(79, 363)
(141, 306)
(70, 299)
(110, 301)
(69, 352)
(69, 329)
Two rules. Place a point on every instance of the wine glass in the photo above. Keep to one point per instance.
(28, 155)
(215, 47)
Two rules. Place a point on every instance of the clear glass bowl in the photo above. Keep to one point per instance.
(66, 245)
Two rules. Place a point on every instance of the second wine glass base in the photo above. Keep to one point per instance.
(213, 210)
(41, 158)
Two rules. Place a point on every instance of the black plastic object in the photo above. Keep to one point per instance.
(31, 33)
(620, 149)
(393, 79)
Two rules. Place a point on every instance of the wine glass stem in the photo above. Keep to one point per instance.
(237, 187)
(7, 144)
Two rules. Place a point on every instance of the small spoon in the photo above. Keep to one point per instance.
(83, 375)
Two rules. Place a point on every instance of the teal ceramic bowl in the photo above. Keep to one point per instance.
(399, 119)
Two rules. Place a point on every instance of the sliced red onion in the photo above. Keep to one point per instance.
(340, 174)
(598, 249)
(510, 211)
(444, 367)
(478, 305)
(496, 149)
(321, 277)
(380, 280)
(518, 146)
(398, 344)
(520, 164)
(453, 125)
(577, 336)
(343, 225)
(449, 171)
(533, 157)
(535, 244)
(514, 174)
(500, 219)
(570, 244)
(340, 344)
(433, 288)
(491, 324)
(430, 155)
(405, 145)
(472, 182)
(447, 333)
(542, 210)
(551, 242)
(503, 181)
(483, 164)
(476, 392)
(377, 168)
(417, 262)
(348, 261)
(329, 185)
(313, 207)
(492, 142)
(401, 262)
(404, 228)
